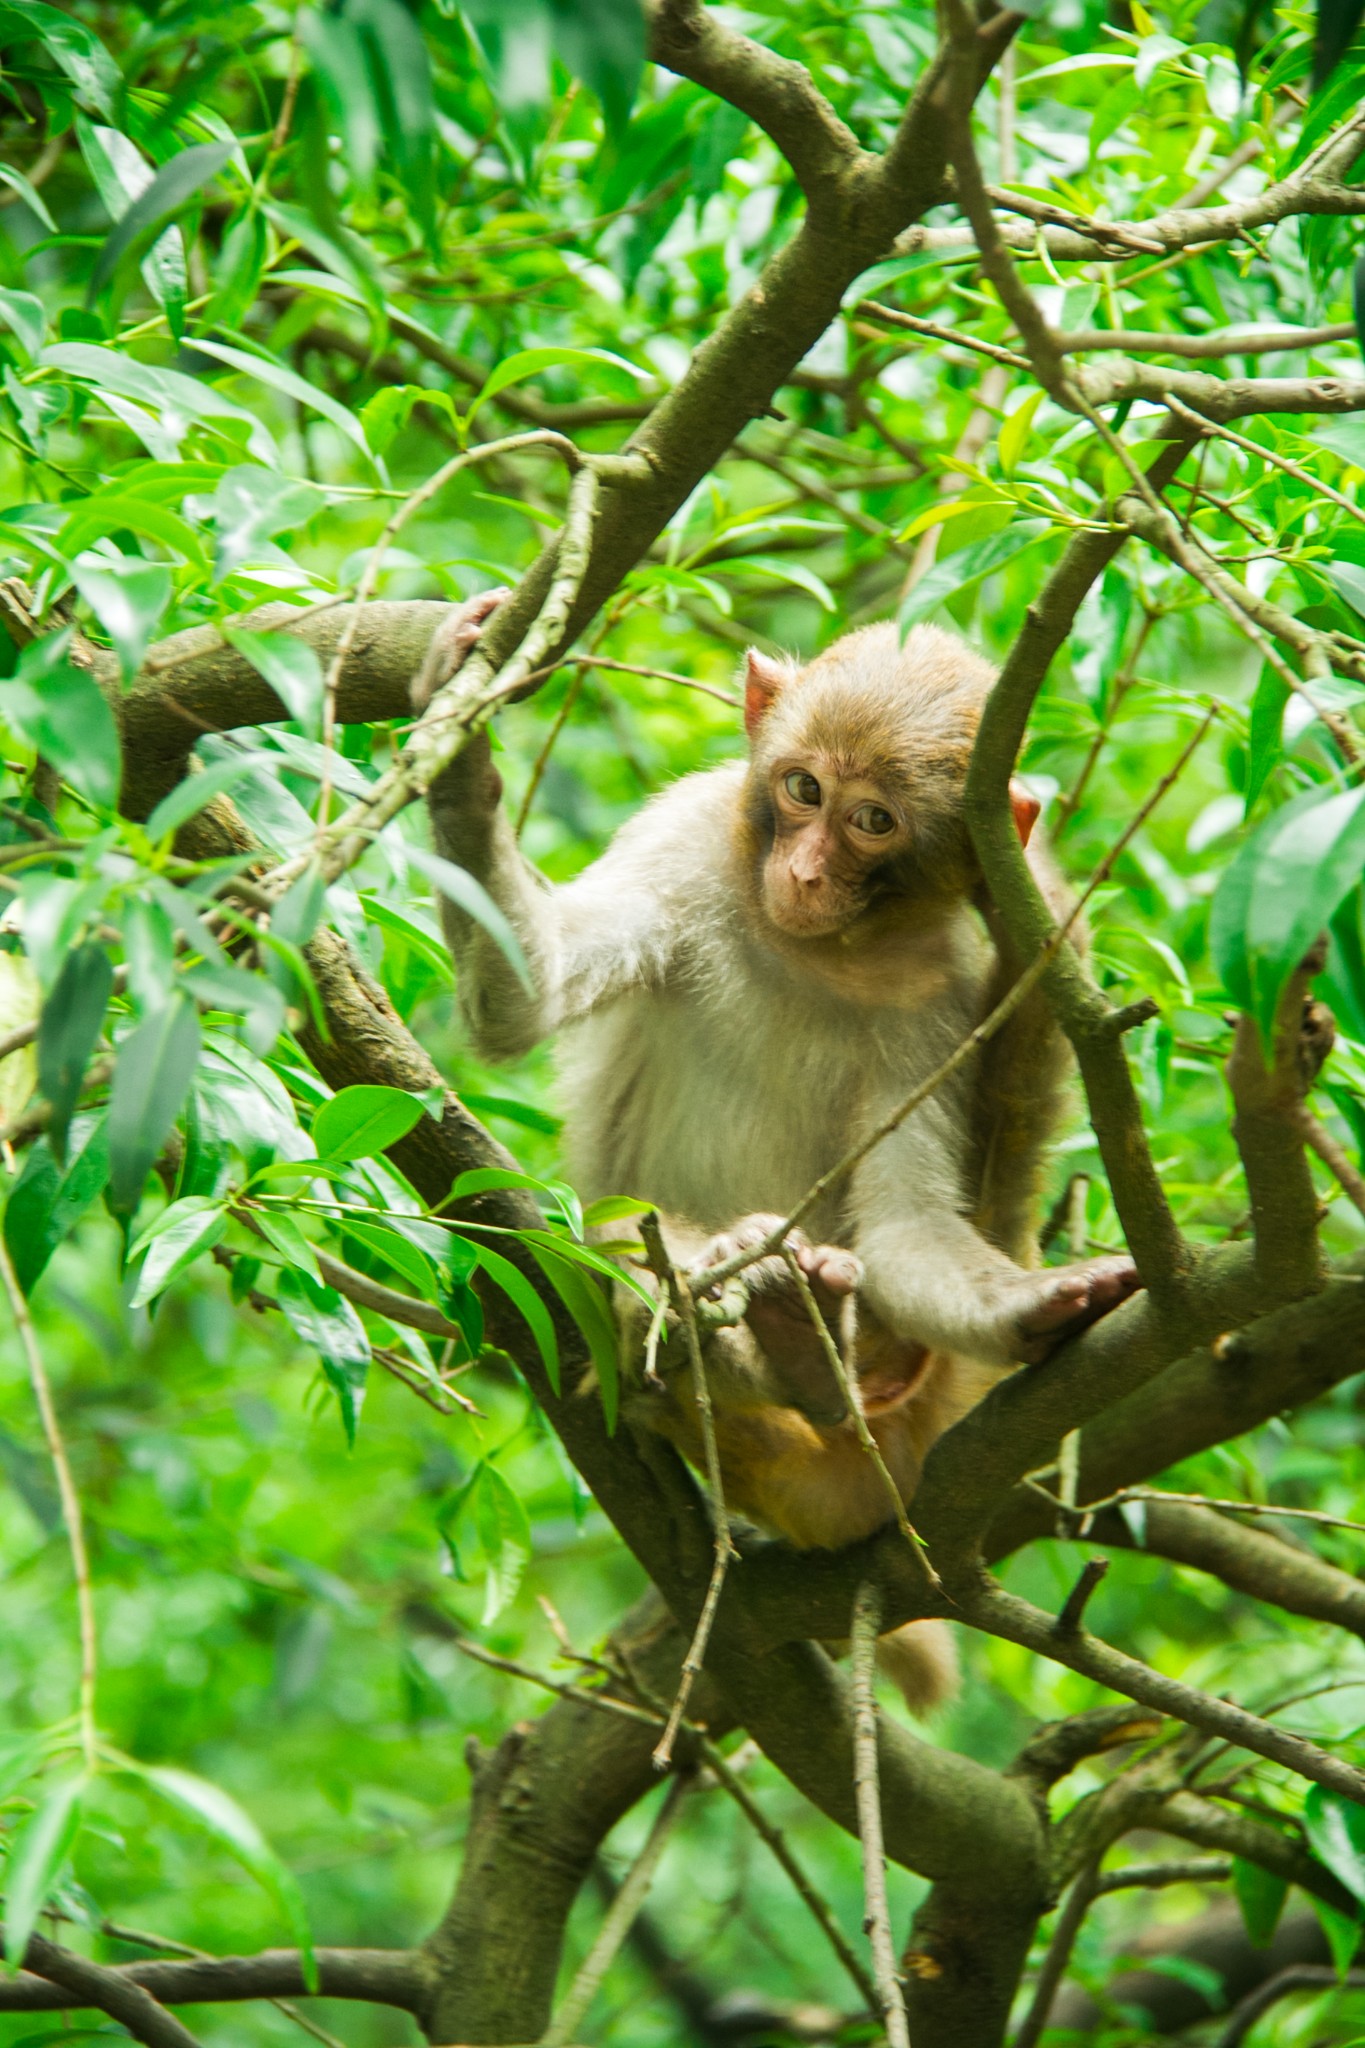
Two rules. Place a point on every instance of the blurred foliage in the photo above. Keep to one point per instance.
(255, 269)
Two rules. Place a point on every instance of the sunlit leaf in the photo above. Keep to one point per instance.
(360, 1122)
(61, 711)
(35, 1860)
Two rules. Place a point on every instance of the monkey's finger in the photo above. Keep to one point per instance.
(831, 1267)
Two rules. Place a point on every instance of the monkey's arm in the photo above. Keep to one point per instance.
(617, 926)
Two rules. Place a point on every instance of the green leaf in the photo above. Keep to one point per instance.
(529, 361)
(1349, 580)
(170, 191)
(1014, 432)
(405, 1258)
(326, 1320)
(360, 1122)
(35, 1860)
(794, 574)
(1337, 23)
(250, 506)
(1358, 301)
(44, 1207)
(70, 44)
(23, 314)
(1281, 891)
(612, 1208)
(128, 598)
(473, 899)
(171, 397)
(231, 1825)
(33, 199)
(505, 1538)
(189, 797)
(1267, 733)
(180, 1234)
(591, 1311)
(61, 711)
(152, 1077)
(285, 1233)
(72, 1019)
(968, 567)
(524, 1113)
(1343, 1934)
(1335, 1827)
(267, 371)
(524, 1298)
(1261, 1896)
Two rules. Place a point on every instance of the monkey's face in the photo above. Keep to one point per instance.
(834, 830)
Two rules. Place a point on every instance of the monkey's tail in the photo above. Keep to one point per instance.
(921, 1658)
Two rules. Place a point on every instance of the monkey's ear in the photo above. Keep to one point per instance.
(763, 678)
(1026, 808)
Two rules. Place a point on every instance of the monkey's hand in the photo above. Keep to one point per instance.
(1044, 1309)
(800, 1370)
(451, 643)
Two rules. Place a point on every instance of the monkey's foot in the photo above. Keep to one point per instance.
(778, 1317)
(1064, 1300)
(451, 643)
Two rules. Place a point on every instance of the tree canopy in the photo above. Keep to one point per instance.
(697, 328)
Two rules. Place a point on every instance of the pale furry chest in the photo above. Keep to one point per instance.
(712, 1116)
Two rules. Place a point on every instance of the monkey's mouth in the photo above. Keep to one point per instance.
(809, 920)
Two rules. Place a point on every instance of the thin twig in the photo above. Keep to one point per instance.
(1294, 469)
(542, 760)
(1053, 1966)
(1160, 1497)
(678, 1291)
(617, 1923)
(892, 317)
(723, 1548)
(777, 1842)
(848, 1387)
(867, 1617)
(564, 1687)
(70, 1502)
(1271, 341)
(1333, 1156)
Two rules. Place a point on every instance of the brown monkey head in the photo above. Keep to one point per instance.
(857, 766)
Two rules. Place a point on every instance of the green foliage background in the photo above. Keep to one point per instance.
(277, 1606)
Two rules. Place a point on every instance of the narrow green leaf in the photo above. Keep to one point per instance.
(188, 1229)
(505, 1538)
(35, 1861)
(405, 1258)
(969, 566)
(325, 1319)
(152, 1077)
(72, 1018)
(524, 1298)
(17, 182)
(363, 1121)
(267, 371)
(128, 598)
(590, 1309)
(231, 1825)
(170, 191)
(189, 797)
(70, 44)
(529, 361)
(23, 314)
(250, 506)
(61, 711)
(1261, 1896)
(1335, 1827)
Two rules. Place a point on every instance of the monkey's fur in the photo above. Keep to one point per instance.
(743, 987)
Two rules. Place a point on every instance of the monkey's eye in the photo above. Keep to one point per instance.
(872, 818)
(802, 787)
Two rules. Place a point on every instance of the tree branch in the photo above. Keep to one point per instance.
(380, 1976)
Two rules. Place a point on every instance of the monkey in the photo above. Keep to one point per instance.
(767, 960)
